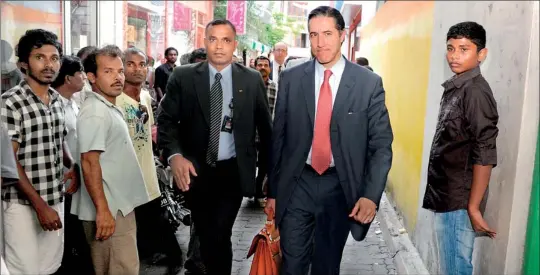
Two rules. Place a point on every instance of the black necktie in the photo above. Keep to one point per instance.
(216, 103)
(279, 70)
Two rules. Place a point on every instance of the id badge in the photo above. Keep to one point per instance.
(227, 125)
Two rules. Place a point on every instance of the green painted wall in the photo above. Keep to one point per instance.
(532, 243)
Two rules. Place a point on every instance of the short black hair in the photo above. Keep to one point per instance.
(199, 53)
(262, 57)
(362, 61)
(170, 49)
(328, 12)
(85, 51)
(90, 63)
(134, 50)
(217, 22)
(35, 39)
(470, 30)
(368, 67)
(70, 65)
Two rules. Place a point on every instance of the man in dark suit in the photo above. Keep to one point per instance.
(331, 151)
(278, 65)
(207, 127)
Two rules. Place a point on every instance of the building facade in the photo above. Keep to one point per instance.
(149, 25)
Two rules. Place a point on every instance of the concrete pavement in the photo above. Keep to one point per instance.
(372, 256)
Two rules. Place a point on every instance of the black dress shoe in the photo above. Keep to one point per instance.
(193, 268)
(174, 269)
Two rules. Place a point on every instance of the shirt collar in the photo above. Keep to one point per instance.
(102, 99)
(65, 101)
(170, 67)
(337, 69)
(227, 71)
(458, 80)
(53, 94)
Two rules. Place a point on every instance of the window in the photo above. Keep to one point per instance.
(20, 16)
(83, 21)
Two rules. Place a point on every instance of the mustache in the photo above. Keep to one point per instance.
(117, 83)
(48, 71)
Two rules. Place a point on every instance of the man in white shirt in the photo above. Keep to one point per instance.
(278, 65)
(71, 79)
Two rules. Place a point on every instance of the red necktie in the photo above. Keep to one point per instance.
(321, 151)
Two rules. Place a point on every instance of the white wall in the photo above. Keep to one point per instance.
(512, 71)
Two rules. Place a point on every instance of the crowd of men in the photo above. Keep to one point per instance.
(81, 159)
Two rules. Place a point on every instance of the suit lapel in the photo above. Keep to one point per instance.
(239, 89)
(202, 86)
(308, 86)
(346, 84)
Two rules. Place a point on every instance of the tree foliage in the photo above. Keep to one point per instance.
(267, 33)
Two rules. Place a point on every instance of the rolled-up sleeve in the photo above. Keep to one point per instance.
(481, 112)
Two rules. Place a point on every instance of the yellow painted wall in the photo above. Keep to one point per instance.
(397, 43)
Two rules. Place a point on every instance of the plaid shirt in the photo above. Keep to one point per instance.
(40, 130)
(271, 93)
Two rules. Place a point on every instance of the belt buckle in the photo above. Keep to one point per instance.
(213, 164)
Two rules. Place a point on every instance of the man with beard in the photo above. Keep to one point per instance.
(113, 180)
(32, 113)
(153, 233)
(164, 71)
(262, 64)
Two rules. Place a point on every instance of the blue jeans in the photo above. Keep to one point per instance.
(455, 239)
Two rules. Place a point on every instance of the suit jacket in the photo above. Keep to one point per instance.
(360, 133)
(184, 118)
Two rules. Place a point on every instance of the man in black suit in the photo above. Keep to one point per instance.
(331, 151)
(278, 65)
(207, 127)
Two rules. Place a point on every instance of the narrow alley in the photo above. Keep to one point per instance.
(370, 256)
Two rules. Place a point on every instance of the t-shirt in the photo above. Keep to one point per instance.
(101, 127)
(141, 136)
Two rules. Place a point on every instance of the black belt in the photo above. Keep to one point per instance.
(221, 163)
(330, 170)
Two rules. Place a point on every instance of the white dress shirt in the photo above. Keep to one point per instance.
(71, 111)
(275, 70)
(335, 79)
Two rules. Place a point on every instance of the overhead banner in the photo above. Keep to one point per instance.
(236, 13)
(182, 17)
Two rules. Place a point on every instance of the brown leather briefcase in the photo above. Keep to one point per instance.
(265, 248)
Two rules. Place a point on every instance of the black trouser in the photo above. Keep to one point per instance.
(154, 234)
(315, 225)
(76, 258)
(216, 197)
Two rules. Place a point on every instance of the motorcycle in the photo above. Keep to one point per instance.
(172, 200)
